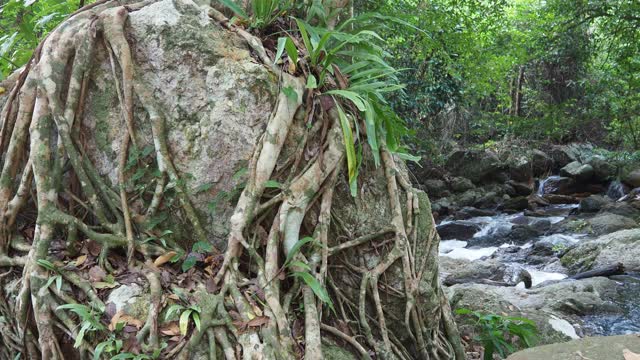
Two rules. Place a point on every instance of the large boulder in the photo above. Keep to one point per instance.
(541, 163)
(555, 308)
(578, 171)
(460, 184)
(459, 230)
(476, 165)
(608, 223)
(593, 203)
(632, 178)
(622, 347)
(515, 204)
(603, 170)
(435, 188)
(558, 185)
(618, 247)
(218, 100)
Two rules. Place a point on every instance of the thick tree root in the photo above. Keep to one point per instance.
(38, 139)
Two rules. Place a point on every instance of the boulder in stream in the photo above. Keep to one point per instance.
(618, 247)
(578, 171)
(459, 230)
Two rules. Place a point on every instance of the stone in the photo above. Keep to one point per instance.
(608, 223)
(468, 212)
(458, 230)
(460, 184)
(521, 189)
(593, 203)
(603, 170)
(558, 185)
(541, 163)
(476, 165)
(592, 348)
(544, 305)
(435, 188)
(632, 178)
(561, 199)
(578, 171)
(130, 299)
(618, 247)
(520, 169)
(219, 100)
(516, 204)
(620, 208)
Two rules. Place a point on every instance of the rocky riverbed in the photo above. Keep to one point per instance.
(517, 229)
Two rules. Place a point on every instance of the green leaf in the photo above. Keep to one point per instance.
(235, 8)
(280, 49)
(299, 264)
(312, 83)
(296, 248)
(292, 50)
(290, 93)
(173, 309)
(99, 349)
(272, 184)
(188, 263)
(201, 247)
(196, 320)
(315, 285)
(350, 148)
(184, 321)
(47, 265)
(354, 97)
(305, 37)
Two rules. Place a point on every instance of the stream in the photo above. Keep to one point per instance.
(493, 240)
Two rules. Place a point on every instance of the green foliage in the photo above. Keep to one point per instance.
(262, 12)
(191, 312)
(496, 331)
(89, 320)
(24, 24)
(353, 55)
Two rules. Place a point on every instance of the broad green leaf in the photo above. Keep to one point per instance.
(188, 263)
(280, 49)
(173, 309)
(201, 247)
(184, 321)
(350, 148)
(354, 97)
(237, 9)
(270, 184)
(47, 265)
(299, 264)
(312, 83)
(196, 320)
(290, 93)
(292, 50)
(295, 249)
(315, 285)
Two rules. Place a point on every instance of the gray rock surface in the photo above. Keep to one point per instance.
(622, 246)
(579, 172)
(592, 348)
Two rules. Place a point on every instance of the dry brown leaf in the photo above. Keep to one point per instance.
(629, 355)
(115, 320)
(173, 297)
(163, 259)
(258, 321)
(171, 329)
(80, 260)
(96, 274)
(130, 320)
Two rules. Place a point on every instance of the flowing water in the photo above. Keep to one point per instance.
(501, 224)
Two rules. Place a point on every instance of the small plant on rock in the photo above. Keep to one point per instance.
(496, 332)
